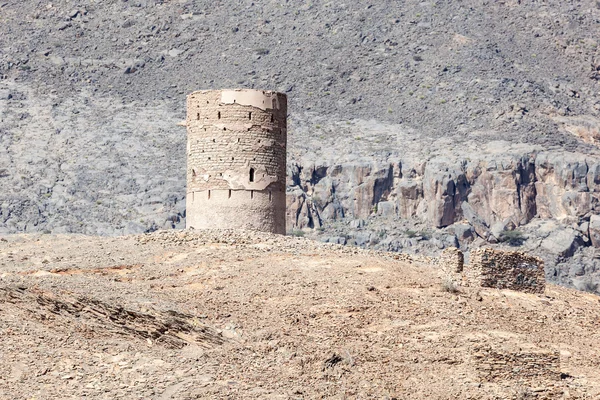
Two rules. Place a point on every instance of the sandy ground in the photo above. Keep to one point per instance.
(240, 315)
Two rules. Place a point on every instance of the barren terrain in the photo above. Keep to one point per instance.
(220, 314)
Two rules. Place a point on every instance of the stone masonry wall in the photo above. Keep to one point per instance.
(226, 140)
(502, 365)
(240, 209)
(236, 144)
(452, 261)
(505, 270)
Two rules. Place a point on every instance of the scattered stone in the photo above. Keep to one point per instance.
(57, 60)
(175, 52)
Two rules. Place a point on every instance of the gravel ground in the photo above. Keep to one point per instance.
(221, 314)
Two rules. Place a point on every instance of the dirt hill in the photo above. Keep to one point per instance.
(184, 315)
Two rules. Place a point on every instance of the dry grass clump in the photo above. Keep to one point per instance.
(450, 286)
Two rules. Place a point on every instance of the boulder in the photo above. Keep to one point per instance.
(594, 230)
(335, 239)
(386, 208)
(500, 227)
(463, 232)
(497, 229)
(563, 242)
(476, 222)
(357, 223)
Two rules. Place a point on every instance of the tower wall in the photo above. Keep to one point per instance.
(236, 160)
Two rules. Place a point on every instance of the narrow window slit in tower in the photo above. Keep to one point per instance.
(252, 194)
(219, 115)
(238, 140)
(198, 116)
(224, 128)
(209, 194)
(250, 115)
(229, 193)
(193, 173)
(232, 158)
(270, 195)
(272, 118)
(251, 174)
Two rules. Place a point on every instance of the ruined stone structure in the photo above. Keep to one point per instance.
(506, 270)
(451, 262)
(498, 269)
(236, 160)
(502, 364)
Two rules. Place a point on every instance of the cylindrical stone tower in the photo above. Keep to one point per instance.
(236, 156)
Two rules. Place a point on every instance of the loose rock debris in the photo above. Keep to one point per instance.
(170, 328)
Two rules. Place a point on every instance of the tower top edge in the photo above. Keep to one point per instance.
(263, 99)
(253, 91)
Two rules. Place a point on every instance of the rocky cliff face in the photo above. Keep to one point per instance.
(448, 193)
(507, 189)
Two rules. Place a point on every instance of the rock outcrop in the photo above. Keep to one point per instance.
(503, 192)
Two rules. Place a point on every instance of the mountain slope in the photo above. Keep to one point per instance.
(427, 108)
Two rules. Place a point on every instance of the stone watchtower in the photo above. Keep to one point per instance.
(236, 160)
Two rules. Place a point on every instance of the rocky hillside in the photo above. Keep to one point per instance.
(413, 125)
(465, 194)
(220, 315)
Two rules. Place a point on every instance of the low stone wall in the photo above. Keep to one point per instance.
(498, 269)
(497, 364)
(513, 270)
(452, 260)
